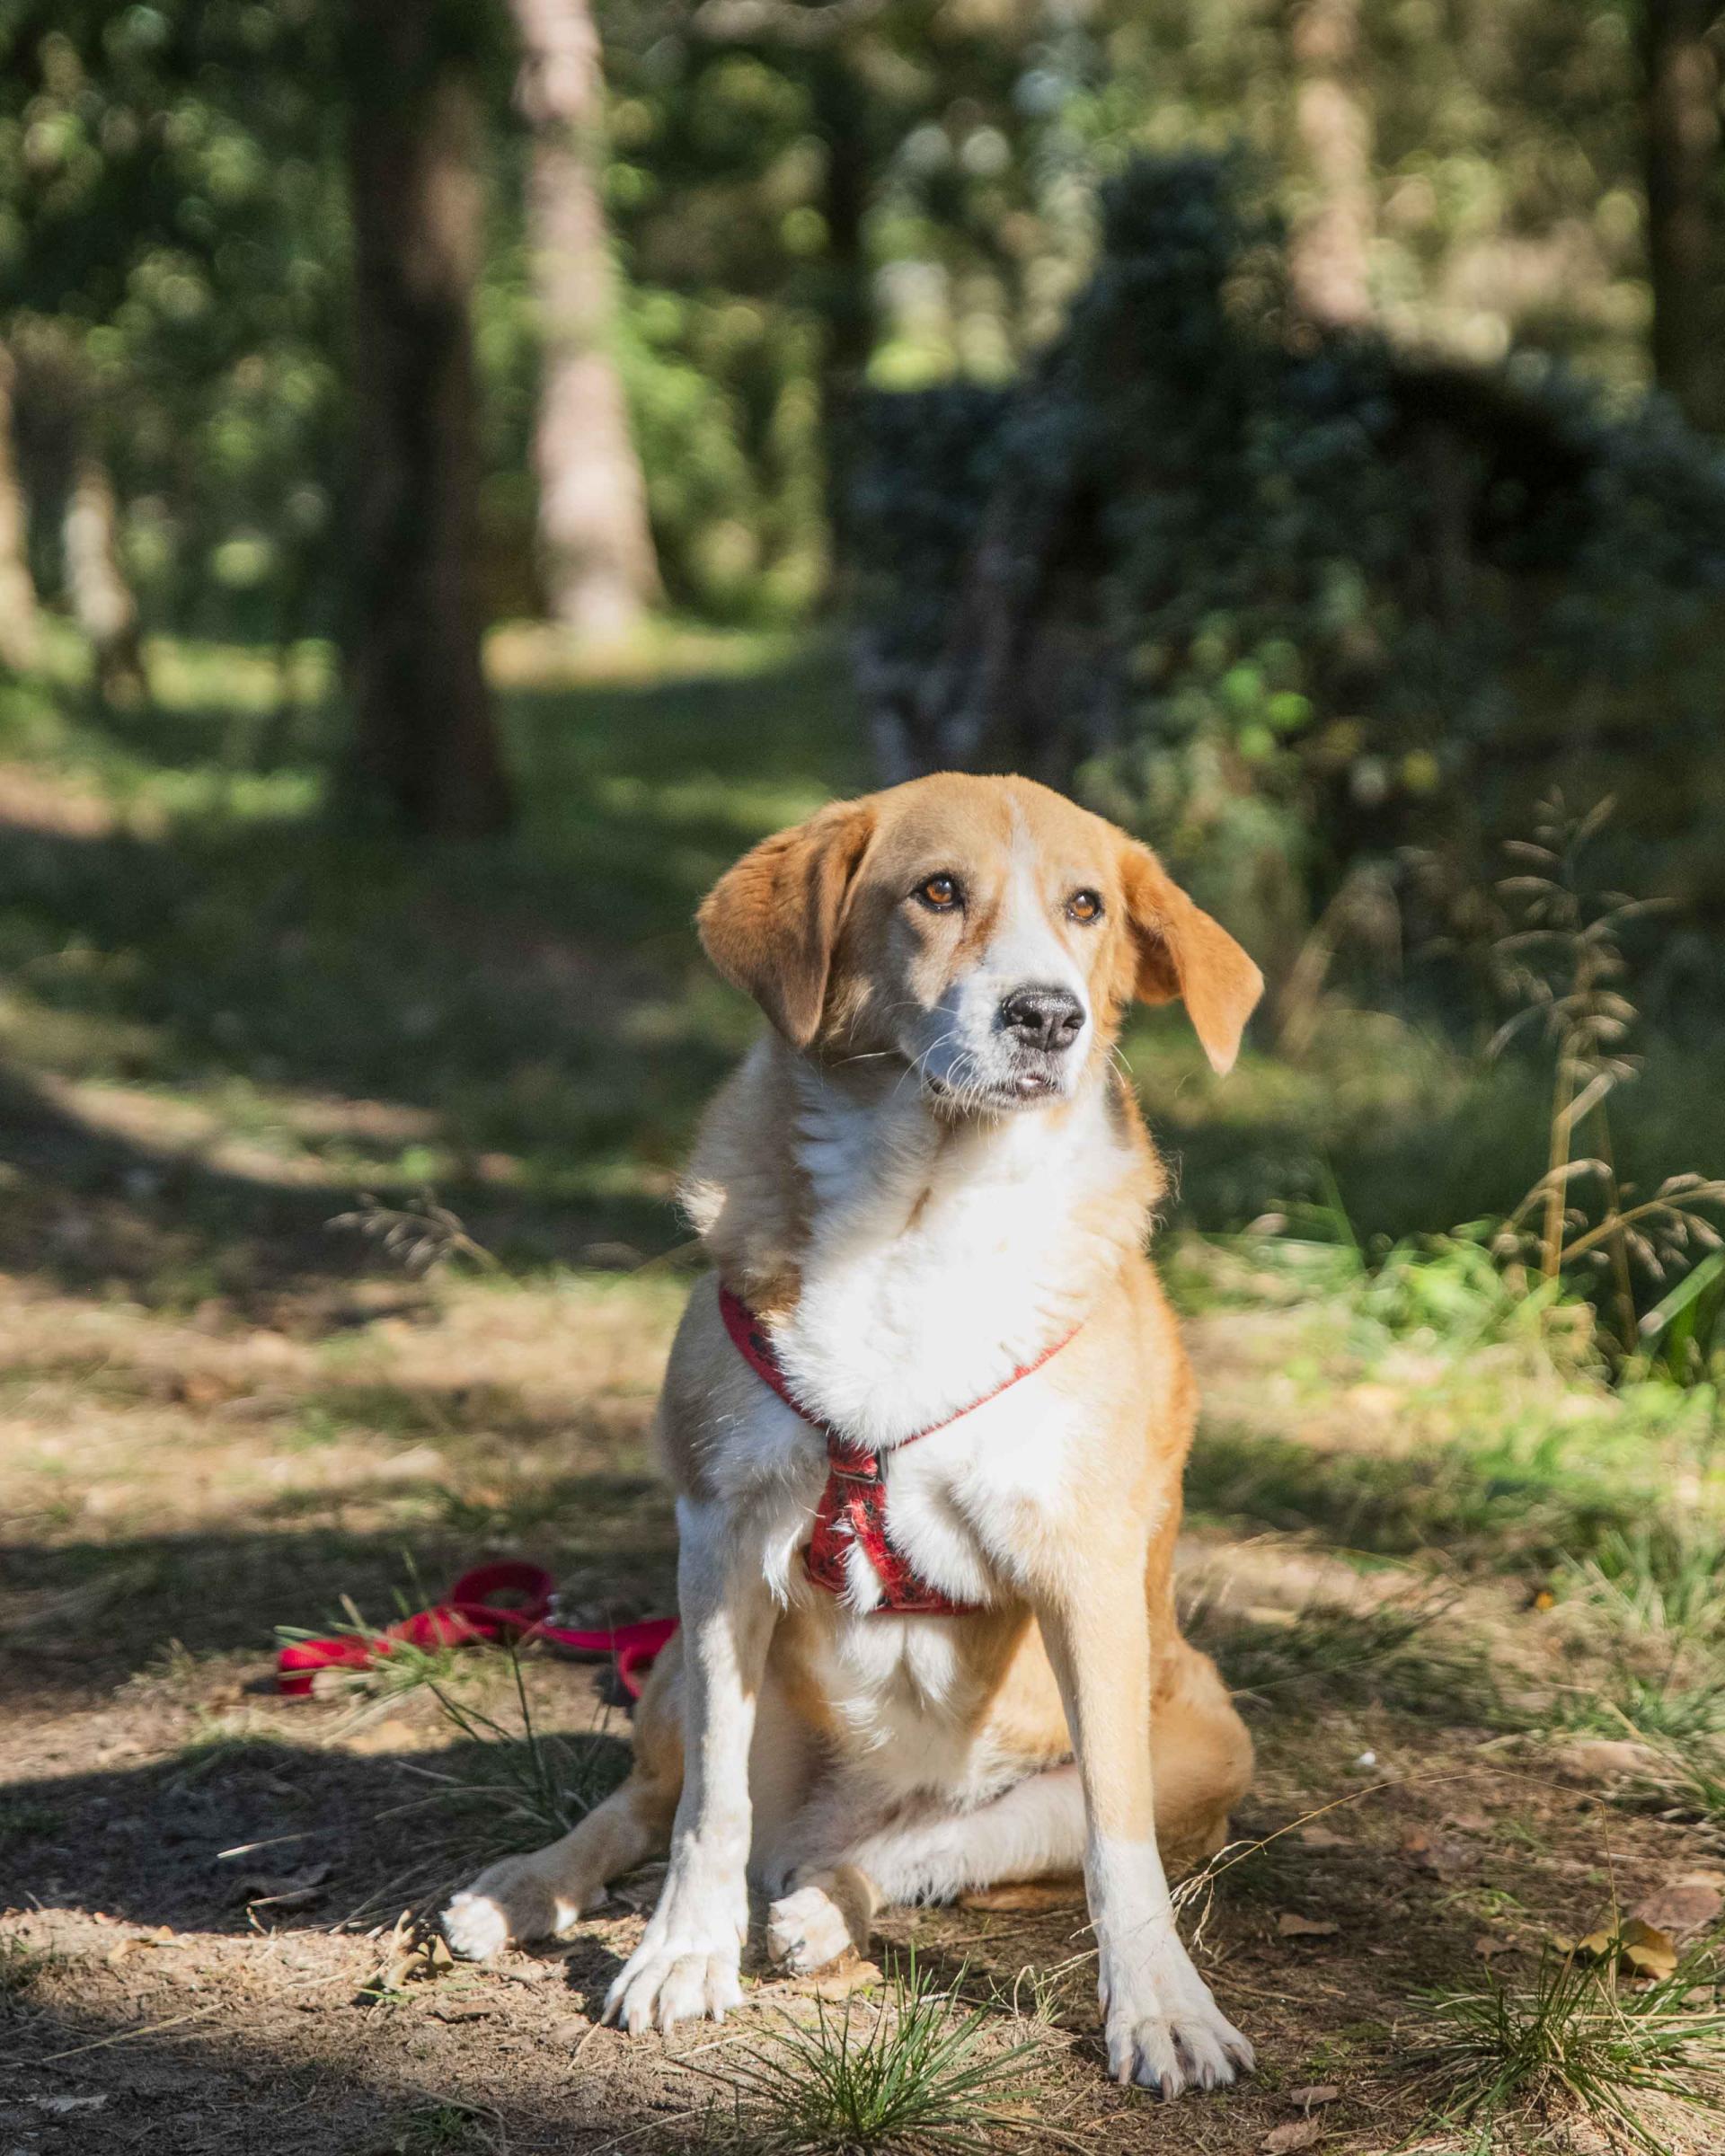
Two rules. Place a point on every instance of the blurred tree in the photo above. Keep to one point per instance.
(102, 603)
(19, 640)
(1683, 185)
(1329, 258)
(596, 550)
(424, 745)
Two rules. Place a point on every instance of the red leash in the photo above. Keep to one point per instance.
(469, 1616)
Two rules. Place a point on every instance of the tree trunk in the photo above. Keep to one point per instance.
(596, 546)
(1329, 255)
(425, 745)
(1682, 136)
(18, 637)
(102, 599)
(846, 303)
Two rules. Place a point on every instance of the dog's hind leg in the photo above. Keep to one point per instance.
(1033, 1829)
(1202, 1766)
(543, 1894)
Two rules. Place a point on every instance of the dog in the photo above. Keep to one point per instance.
(926, 1424)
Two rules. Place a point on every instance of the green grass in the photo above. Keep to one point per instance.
(1641, 2064)
(916, 2076)
(1661, 1581)
(525, 1785)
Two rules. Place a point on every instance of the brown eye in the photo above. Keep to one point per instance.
(940, 894)
(1084, 907)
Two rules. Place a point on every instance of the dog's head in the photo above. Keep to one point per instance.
(987, 933)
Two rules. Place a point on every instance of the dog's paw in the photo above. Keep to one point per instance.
(687, 1979)
(511, 1902)
(1165, 2030)
(807, 1930)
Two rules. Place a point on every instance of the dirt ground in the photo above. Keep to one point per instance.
(203, 1882)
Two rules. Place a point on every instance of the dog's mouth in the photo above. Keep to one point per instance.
(1005, 1095)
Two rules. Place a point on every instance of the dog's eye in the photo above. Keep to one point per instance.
(1084, 907)
(940, 894)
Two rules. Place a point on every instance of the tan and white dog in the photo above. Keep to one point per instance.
(928, 1192)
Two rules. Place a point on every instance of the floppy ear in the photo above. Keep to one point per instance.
(1182, 952)
(770, 923)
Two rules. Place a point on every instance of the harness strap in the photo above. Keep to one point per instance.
(852, 1508)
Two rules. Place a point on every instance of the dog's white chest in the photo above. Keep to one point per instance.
(941, 1263)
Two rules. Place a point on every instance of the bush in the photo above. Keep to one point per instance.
(1282, 598)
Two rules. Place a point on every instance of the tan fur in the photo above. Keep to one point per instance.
(816, 926)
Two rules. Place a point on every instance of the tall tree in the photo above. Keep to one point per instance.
(18, 623)
(1329, 258)
(596, 548)
(425, 745)
(1681, 149)
(96, 581)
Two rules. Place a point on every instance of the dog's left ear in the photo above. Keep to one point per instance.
(1182, 952)
(770, 923)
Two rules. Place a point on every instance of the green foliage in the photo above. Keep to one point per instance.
(1338, 590)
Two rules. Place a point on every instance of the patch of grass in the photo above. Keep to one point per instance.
(1522, 1496)
(1664, 1580)
(1641, 2064)
(22, 1967)
(529, 1786)
(445, 2128)
(1660, 1708)
(1329, 1655)
(917, 2076)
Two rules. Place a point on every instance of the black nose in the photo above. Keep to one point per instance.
(1043, 1018)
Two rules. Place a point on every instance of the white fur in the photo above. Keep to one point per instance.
(688, 1962)
(1164, 2028)
(943, 1257)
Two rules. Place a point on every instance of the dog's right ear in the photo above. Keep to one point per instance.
(771, 922)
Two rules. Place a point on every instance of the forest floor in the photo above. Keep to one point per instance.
(1442, 1563)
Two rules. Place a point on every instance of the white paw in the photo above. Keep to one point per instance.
(1165, 2030)
(686, 1968)
(511, 1901)
(807, 1930)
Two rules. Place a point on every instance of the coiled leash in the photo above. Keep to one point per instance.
(471, 1615)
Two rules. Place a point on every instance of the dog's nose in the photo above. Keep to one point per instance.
(1043, 1018)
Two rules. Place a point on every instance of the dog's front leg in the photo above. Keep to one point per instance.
(686, 1965)
(1163, 2028)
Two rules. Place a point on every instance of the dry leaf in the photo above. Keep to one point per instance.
(1309, 2100)
(409, 1959)
(1687, 1905)
(1297, 2134)
(1026, 1894)
(1292, 1925)
(1320, 1837)
(849, 1978)
(1646, 1951)
(1430, 1853)
(1642, 1949)
(1604, 1758)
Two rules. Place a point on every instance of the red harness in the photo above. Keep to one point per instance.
(853, 1507)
